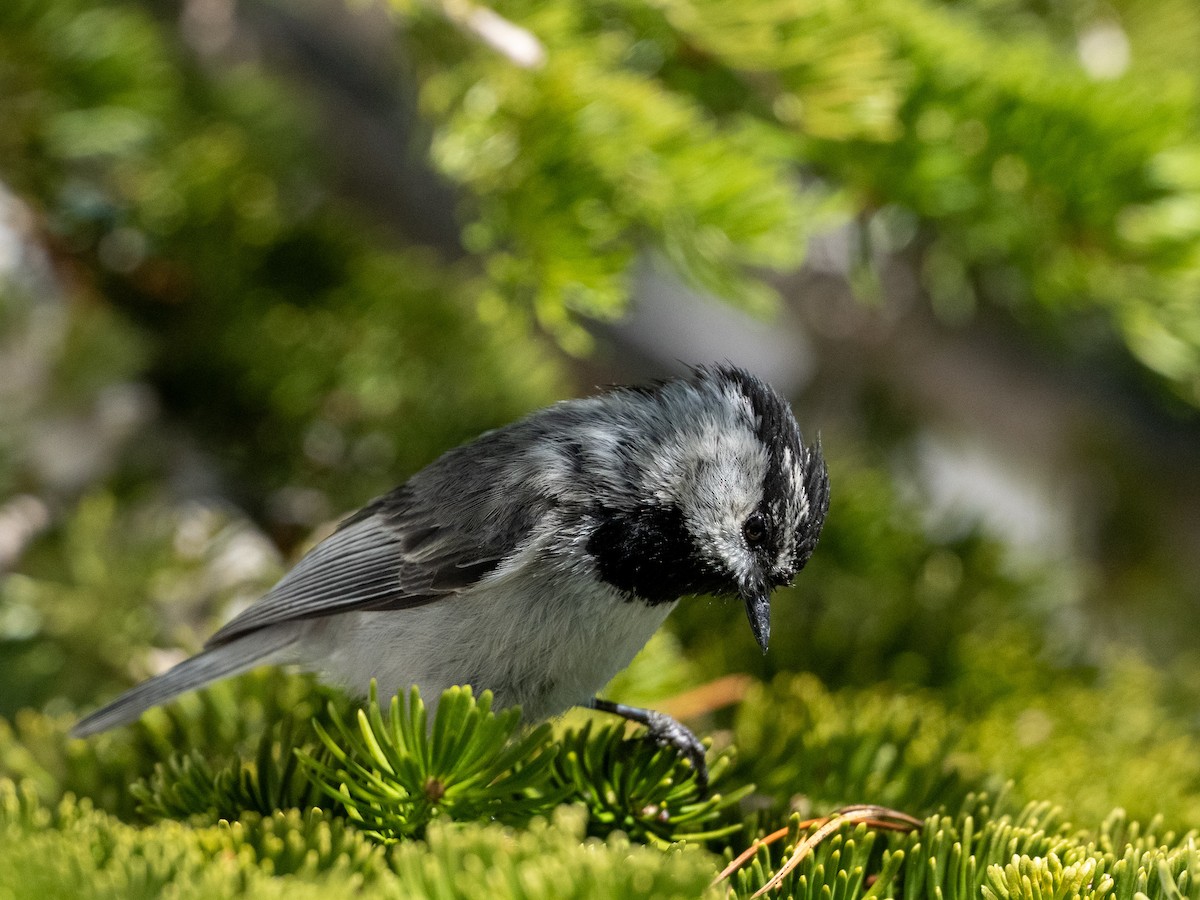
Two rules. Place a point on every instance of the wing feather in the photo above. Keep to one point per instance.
(380, 558)
(429, 539)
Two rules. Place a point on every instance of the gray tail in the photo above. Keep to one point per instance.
(240, 655)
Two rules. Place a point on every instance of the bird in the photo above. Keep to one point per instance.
(536, 560)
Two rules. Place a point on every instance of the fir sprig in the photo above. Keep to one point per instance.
(395, 775)
(188, 784)
(643, 789)
(1034, 855)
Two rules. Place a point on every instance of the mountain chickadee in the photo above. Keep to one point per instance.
(539, 558)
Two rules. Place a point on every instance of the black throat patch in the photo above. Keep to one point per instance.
(649, 553)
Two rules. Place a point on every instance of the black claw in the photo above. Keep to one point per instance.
(665, 732)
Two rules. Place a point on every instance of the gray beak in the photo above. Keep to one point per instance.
(758, 611)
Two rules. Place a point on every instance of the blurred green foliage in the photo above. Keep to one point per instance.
(209, 350)
(1039, 188)
(196, 206)
(152, 570)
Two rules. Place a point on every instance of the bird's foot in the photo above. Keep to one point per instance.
(666, 732)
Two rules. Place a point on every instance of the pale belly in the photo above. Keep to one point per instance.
(543, 646)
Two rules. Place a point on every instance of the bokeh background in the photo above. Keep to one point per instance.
(261, 260)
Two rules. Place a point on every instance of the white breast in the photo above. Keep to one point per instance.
(533, 635)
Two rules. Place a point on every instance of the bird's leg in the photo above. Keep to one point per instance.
(664, 731)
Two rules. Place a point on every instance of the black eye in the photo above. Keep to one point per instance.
(755, 530)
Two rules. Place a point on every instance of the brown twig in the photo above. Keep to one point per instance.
(872, 816)
(746, 855)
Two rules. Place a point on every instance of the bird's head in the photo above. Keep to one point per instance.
(730, 499)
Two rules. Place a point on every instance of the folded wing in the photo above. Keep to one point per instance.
(388, 556)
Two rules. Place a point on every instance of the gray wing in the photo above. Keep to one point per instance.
(390, 555)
